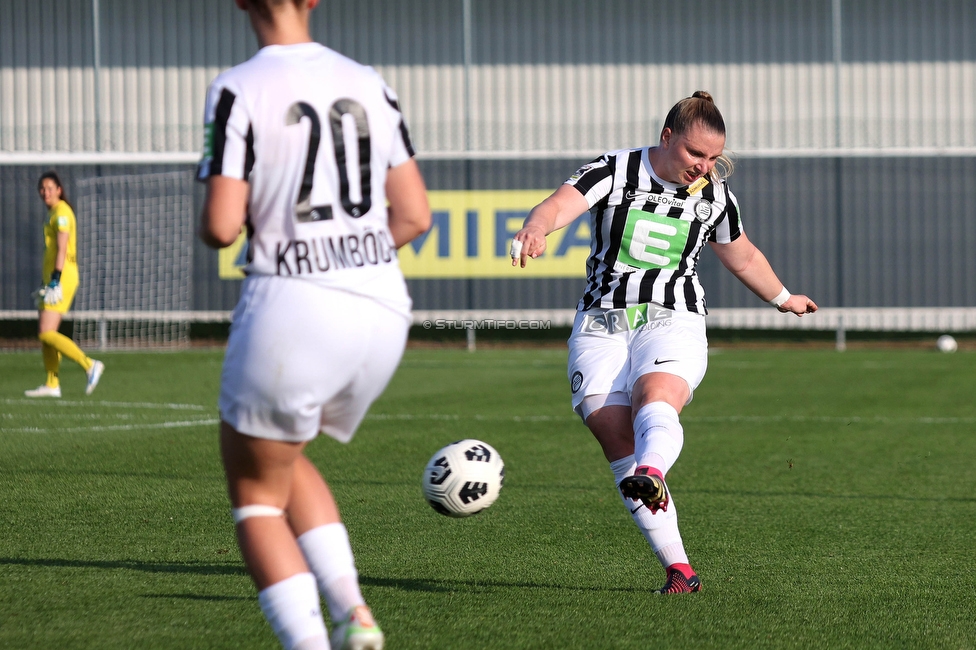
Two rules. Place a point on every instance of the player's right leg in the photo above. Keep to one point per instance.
(54, 345)
(48, 321)
(259, 480)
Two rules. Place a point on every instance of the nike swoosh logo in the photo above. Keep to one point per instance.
(658, 362)
(637, 508)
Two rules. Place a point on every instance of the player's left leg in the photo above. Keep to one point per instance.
(324, 541)
(259, 481)
(658, 438)
(658, 435)
(611, 425)
(381, 337)
(667, 364)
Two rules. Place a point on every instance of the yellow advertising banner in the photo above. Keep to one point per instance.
(470, 238)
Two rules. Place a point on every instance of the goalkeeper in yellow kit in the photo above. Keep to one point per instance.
(60, 283)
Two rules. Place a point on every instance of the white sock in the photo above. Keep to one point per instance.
(329, 556)
(660, 529)
(293, 610)
(658, 436)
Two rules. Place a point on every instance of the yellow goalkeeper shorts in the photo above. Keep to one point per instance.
(69, 285)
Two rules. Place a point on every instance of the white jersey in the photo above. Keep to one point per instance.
(313, 133)
(648, 233)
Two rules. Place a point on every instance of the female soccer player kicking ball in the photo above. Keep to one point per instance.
(638, 348)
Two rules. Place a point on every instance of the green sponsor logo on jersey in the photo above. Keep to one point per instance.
(208, 130)
(651, 241)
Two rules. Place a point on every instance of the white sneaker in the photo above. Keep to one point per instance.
(358, 631)
(44, 391)
(94, 374)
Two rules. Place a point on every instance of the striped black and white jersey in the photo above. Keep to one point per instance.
(313, 133)
(647, 233)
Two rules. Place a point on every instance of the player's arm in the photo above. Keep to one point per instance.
(51, 294)
(63, 236)
(750, 266)
(557, 211)
(409, 211)
(224, 211)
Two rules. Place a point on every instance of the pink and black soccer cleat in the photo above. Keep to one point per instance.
(647, 486)
(681, 580)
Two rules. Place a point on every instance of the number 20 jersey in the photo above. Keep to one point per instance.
(648, 233)
(313, 133)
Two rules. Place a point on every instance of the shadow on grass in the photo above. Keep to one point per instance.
(435, 585)
(845, 497)
(198, 597)
(431, 585)
(197, 568)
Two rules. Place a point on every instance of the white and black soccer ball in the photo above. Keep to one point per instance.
(463, 478)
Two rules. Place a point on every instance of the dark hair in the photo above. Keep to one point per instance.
(53, 175)
(263, 7)
(700, 108)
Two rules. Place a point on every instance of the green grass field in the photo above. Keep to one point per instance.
(826, 499)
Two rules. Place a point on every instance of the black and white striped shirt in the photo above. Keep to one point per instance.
(647, 233)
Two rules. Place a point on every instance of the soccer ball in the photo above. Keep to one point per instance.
(946, 343)
(463, 478)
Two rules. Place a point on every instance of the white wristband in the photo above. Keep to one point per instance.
(780, 298)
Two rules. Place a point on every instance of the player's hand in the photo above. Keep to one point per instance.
(528, 242)
(798, 304)
(37, 295)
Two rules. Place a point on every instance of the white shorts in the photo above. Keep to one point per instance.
(302, 359)
(610, 349)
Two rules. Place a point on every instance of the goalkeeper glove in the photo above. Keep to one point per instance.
(52, 292)
(52, 295)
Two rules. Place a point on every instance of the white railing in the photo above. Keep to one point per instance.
(875, 319)
(839, 320)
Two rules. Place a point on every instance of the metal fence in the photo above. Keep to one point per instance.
(854, 121)
(506, 77)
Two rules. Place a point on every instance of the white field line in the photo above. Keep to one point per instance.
(157, 406)
(116, 427)
(876, 419)
(46, 402)
(210, 421)
(73, 416)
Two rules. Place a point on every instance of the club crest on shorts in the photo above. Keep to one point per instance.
(577, 381)
(703, 210)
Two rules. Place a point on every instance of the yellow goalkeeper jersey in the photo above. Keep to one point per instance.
(61, 218)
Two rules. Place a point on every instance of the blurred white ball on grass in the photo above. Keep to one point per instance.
(946, 343)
